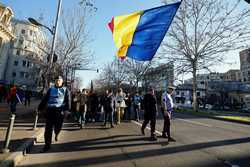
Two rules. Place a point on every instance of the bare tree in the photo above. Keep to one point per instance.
(202, 32)
(74, 42)
(72, 45)
(136, 70)
(113, 73)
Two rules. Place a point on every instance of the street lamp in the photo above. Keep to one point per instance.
(52, 31)
(248, 1)
(35, 22)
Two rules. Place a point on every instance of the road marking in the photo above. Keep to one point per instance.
(230, 164)
(195, 122)
(140, 124)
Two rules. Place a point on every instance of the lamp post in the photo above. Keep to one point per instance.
(53, 31)
(248, 1)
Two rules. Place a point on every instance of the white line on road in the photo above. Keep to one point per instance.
(195, 122)
(138, 123)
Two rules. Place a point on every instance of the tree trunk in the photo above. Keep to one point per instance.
(195, 106)
(137, 85)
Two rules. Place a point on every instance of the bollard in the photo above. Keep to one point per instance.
(8, 134)
(36, 119)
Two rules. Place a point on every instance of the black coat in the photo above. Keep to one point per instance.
(109, 103)
(149, 102)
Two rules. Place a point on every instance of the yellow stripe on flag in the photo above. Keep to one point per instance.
(124, 29)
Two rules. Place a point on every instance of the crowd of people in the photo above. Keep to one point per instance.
(14, 95)
(91, 107)
(109, 107)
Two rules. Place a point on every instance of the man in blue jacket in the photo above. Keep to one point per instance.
(57, 101)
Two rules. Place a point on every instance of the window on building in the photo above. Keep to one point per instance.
(26, 75)
(14, 74)
(177, 92)
(21, 41)
(18, 52)
(23, 31)
(22, 74)
(28, 64)
(202, 82)
(198, 93)
(24, 63)
(16, 63)
(31, 32)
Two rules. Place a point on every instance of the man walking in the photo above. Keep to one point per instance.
(167, 109)
(13, 98)
(27, 96)
(150, 109)
(109, 107)
(83, 108)
(57, 101)
(136, 105)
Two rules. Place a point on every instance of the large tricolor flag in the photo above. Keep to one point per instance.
(138, 35)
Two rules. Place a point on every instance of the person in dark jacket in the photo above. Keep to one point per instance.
(128, 102)
(27, 96)
(93, 104)
(109, 107)
(150, 110)
(57, 101)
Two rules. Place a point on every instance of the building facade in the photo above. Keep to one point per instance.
(229, 93)
(245, 65)
(6, 36)
(160, 77)
(232, 75)
(25, 55)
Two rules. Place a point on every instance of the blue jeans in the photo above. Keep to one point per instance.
(109, 116)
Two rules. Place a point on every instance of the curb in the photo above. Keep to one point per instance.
(231, 120)
(14, 158)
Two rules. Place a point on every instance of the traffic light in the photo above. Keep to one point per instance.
(248, 1)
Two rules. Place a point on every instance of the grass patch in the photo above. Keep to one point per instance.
(212, 114)
(238, 118)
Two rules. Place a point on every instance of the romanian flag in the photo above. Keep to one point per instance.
(138, 35)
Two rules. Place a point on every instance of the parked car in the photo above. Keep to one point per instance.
(245, 110)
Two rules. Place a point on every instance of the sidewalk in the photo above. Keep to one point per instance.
(22, 131)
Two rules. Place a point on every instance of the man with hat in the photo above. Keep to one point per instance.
(167, 108)
(57, 101)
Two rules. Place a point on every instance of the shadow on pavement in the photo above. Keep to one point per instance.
(14, 144)
(93, 145)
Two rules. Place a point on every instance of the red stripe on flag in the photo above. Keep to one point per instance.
(111, 25)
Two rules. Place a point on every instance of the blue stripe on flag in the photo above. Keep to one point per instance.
(150, 31)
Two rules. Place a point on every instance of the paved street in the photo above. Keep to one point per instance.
(200, 142)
